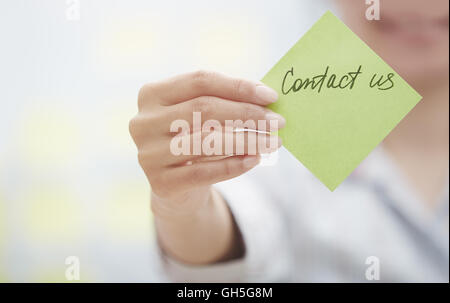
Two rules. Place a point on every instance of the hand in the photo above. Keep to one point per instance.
(193, 221)
(217, 97)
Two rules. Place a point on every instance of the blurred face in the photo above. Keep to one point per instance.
(411, 36)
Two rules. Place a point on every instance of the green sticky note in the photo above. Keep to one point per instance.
(339, 98)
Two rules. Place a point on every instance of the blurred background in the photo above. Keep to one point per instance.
(70, 184)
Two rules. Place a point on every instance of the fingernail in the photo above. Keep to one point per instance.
(275, 121)
(266, 94)
(250, 161)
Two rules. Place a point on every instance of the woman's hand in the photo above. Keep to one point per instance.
(181, 184)
(217, 97)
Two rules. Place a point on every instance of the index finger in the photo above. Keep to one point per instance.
(204, 83)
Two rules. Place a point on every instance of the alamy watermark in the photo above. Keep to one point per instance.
(373, 270)
(72, 272)
(373, 11)
(73, 10)
(212, 138)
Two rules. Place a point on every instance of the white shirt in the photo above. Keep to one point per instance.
(296, 230)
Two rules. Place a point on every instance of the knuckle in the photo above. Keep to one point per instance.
(241, 88)
(143, 91)
(145, 95)
(148, 159)
(137, 127)
(132, 126)
(142, 159)
(150, 165)
(202, 78)
(238, 84)
(201, 74)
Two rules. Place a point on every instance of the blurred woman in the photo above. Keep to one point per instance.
(388, 221)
